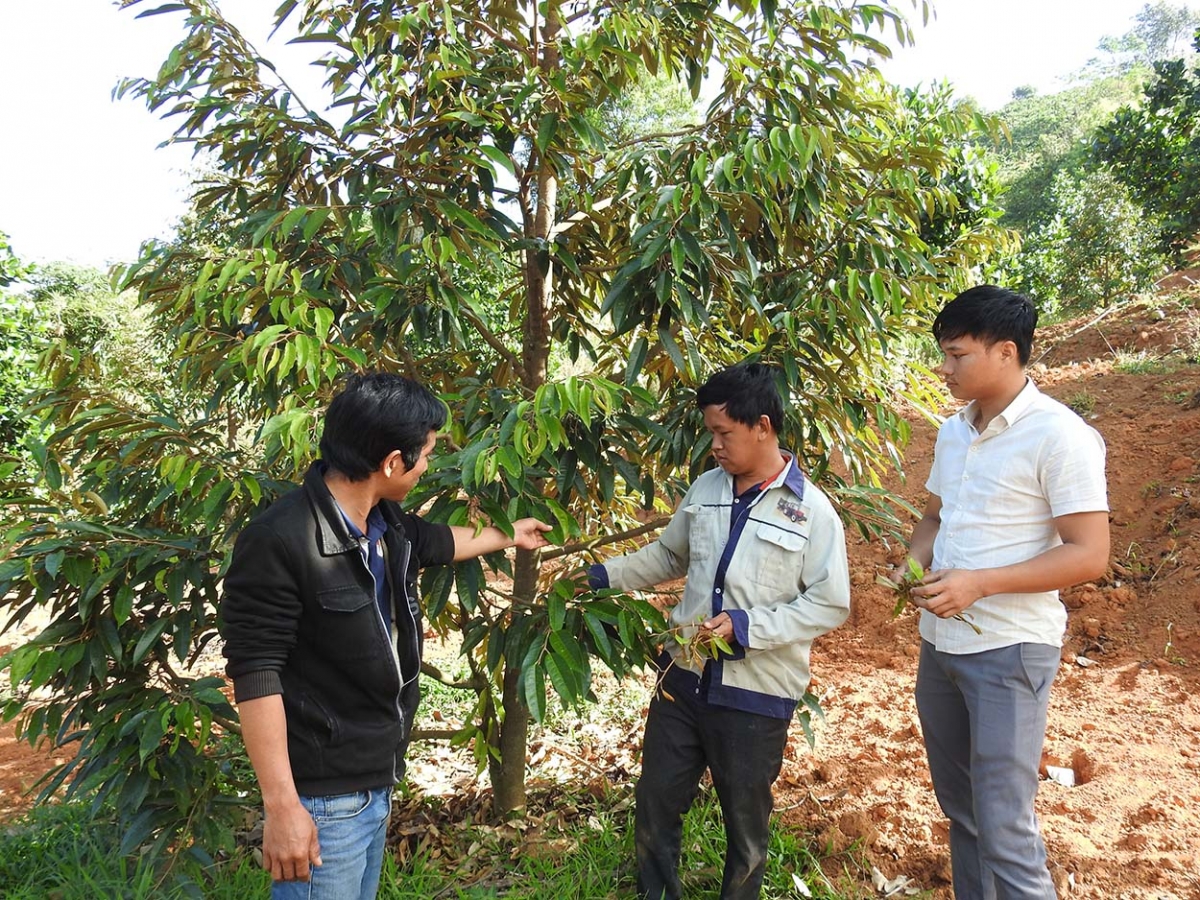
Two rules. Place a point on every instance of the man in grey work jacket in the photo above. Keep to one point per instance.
(323, 636)
(765, 560)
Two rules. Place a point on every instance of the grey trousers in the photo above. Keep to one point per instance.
(983, 716)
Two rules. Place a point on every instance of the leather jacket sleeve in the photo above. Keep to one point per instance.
(260, 612)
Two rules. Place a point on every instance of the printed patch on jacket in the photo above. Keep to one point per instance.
(791, 510)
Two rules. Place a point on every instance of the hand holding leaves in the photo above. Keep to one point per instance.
(913, 575)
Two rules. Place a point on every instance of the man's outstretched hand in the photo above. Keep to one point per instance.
(530, 534)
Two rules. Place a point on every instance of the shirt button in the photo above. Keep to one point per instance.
(717, 591)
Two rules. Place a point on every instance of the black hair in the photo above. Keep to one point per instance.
(989, 314)
(375, 414)
(748, 391)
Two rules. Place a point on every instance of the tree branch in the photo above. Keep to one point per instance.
(528, 54)
(607, 539)
(437, 675)
(433, 734)
(659, 136)
(492, 340)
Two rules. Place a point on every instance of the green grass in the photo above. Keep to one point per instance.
(1082, 401)
(594, 861)
(61, 853)
(1142, 363)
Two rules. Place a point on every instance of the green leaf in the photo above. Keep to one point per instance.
(557, 671)
(533, 682)
(556, 612)
(290, 220)
(498, 156)
(150, 737)
(51, 563)
(547, 127)
(165, 8)
(600, 635)
(148, 639)
(314, 220)
(137, 831)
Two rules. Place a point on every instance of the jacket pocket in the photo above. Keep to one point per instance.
(313, 715)
(343, 599)
(348, 625)
(705, 536)
(779, 559)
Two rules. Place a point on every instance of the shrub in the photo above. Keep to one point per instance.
(1154, 149)
(1096, 246)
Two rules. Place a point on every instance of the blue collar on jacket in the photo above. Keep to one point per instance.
(794, 479)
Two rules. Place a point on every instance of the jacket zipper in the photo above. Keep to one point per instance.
(387, 633)
(396, 650)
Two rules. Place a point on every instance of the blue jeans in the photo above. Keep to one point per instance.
(983, 716)
(351, 829)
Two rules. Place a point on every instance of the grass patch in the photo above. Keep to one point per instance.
(64, 852)
(591, 857)
(1142, 363)
(1083, 402)
(584, 853)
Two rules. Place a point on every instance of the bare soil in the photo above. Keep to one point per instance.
(1124, 716)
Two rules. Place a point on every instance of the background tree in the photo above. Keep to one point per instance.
(1161, 31)
(1165, 30)
(1096, 246)
(1051, 133)
(1154, 149)
(75, 309)
(18, 338)
(85, 316)
(462, 214)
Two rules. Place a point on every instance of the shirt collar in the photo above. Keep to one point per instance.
(791, 477)
(376, 524)
(1019, 405)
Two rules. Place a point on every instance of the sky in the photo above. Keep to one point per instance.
(82, 177)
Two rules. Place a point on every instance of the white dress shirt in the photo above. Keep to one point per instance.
(1001, 491)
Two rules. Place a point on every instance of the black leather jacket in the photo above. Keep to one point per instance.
(299, 618)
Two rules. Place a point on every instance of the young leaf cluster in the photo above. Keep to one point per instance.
(914, 574)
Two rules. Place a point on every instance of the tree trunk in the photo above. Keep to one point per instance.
(539, 269)
(508, 773)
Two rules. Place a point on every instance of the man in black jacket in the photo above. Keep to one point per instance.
(323, 636)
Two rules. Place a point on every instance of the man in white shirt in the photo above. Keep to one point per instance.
(1017, 509)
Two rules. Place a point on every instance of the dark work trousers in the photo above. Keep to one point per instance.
(983, 717)
(744, 753)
